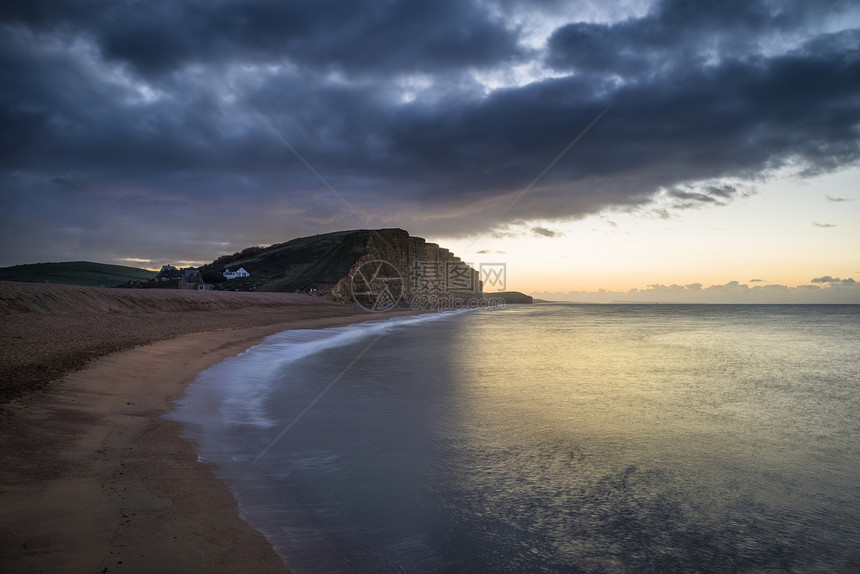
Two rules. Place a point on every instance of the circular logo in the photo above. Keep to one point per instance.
(377, 285)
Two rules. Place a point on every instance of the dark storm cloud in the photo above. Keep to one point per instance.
(379, 38)
(120, 118)
(681, 33)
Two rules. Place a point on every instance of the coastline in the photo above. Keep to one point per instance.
(93, 477)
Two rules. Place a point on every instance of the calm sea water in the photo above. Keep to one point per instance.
(549, 438)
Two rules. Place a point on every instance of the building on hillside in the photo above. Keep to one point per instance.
(172, 278)
(168, 273)
(192, 279)
(240, 272)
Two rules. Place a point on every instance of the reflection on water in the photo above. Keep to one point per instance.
(566, 439)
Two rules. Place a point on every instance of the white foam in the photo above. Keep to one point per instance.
(234, 391)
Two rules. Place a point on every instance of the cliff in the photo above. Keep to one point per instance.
(374, 268)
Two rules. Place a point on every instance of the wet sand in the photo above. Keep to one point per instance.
(92, 478)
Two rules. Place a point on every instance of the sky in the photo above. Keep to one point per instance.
(666, 150)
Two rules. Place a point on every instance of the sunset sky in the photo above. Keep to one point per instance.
(586, 145)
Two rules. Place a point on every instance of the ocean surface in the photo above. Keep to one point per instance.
(548, 438)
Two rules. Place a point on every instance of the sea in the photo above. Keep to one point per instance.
(548, 438)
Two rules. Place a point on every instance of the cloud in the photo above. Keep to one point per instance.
(544, 232)
(692, 196)
(757, 281)
(816, 224)
(434, 116)
(837, 199)
(834, 280)
(733, 292)
(166, 36)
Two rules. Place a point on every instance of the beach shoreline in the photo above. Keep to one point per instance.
(93, 477)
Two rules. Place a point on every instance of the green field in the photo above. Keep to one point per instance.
(75, 273)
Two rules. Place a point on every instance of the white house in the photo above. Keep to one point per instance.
(240, 272)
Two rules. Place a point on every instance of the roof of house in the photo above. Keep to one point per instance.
(169, 272)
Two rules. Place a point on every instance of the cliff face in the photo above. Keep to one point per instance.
(398, 267)
(369, 267)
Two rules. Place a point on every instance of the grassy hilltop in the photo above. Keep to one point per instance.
(84, 273)
(299, 263)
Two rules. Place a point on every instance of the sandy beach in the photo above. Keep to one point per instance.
(92, 478)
